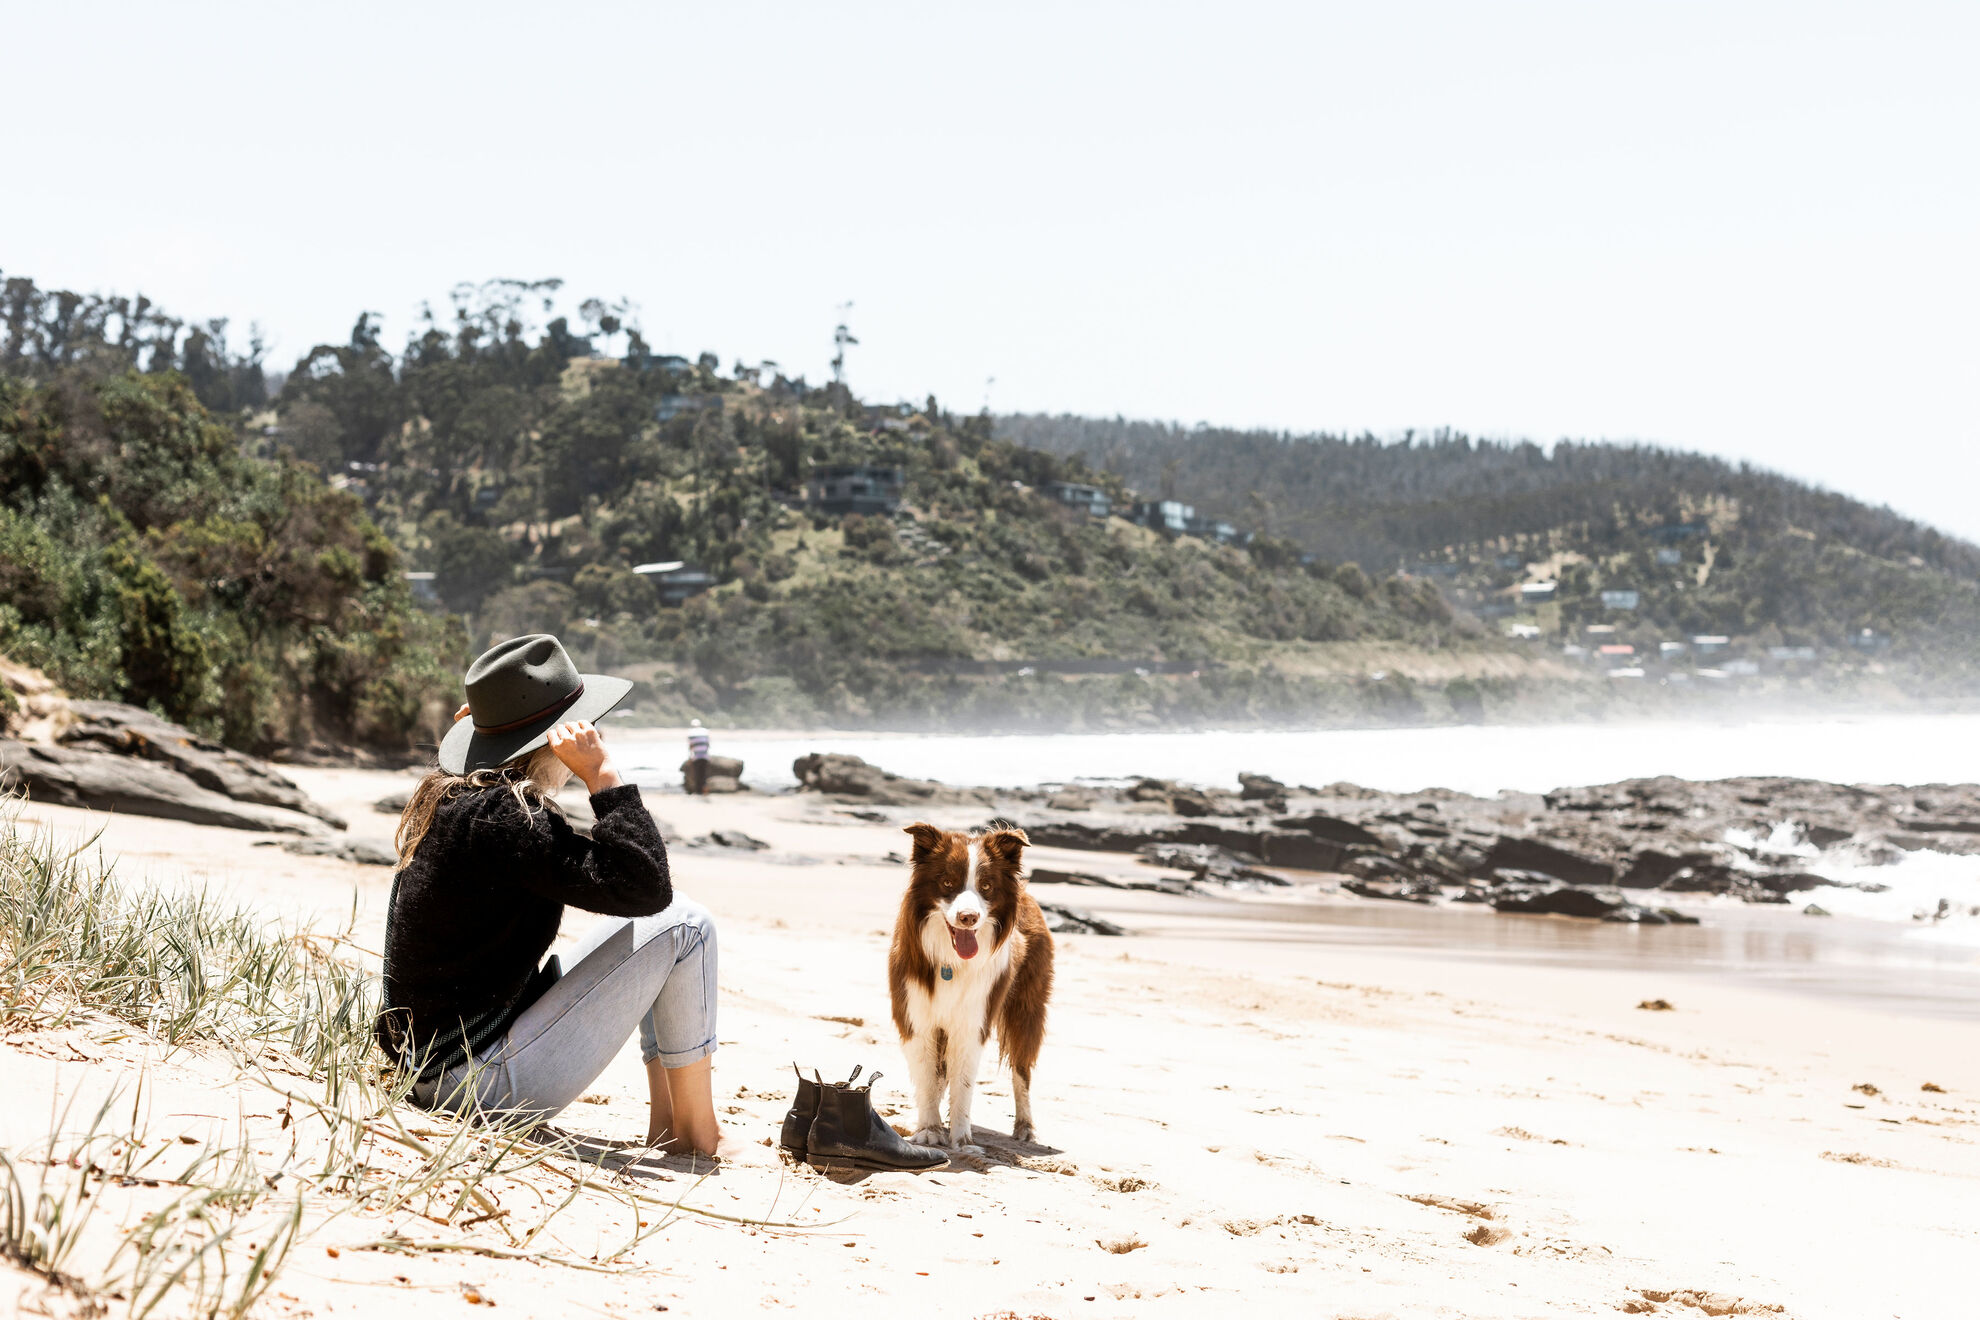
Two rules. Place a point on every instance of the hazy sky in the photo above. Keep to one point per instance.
(1752, 229)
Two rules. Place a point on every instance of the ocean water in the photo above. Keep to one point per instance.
(1480, 759)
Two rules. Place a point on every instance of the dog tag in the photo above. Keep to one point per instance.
(948, 973)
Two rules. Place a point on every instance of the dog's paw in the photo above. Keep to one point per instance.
(931, 1136)
(960, 1134)
(1023, 1132)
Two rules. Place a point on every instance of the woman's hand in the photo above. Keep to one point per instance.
(462, 713)
(582, 748)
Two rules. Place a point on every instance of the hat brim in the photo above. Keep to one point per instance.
(465, 749)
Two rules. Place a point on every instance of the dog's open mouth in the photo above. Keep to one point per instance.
(964, 940)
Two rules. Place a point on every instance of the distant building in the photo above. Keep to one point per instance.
(1538, 593)
(1614, 650)
(1707, 643)
(1669, 649)
(658, 362)
(1525, 632)
(1573, 652)
(888, 416)
(1626, 671)
(1089, 500)
(1791, 652)
(1740, 668)
(1600, 630)
(1621, 600)
(855, 488)
(1211, 529)
(673, 405)
(1171, 516)
(1870, 640)
(424, 587)
(1668, 555)
(676, 580)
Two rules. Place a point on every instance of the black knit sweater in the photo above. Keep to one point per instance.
(478, 904)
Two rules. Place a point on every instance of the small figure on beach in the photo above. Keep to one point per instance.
(487, 863)
(697, 762)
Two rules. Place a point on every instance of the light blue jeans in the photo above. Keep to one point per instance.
(655, 973)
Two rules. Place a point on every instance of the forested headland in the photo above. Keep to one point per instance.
(183, 527)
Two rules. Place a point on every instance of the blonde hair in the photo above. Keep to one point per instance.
(534, 779)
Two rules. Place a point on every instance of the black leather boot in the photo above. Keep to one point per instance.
(804, 1108)
(847, 1135)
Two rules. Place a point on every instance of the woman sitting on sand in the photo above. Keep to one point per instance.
(486, 866)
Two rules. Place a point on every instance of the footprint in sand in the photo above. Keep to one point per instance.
(1711, 1303)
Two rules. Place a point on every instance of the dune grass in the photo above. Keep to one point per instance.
(290, 1011)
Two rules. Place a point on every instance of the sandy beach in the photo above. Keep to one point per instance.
(1233, 1116)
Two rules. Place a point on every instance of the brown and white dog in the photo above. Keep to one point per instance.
(971, 954)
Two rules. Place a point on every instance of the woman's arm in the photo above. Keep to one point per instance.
(621, 870)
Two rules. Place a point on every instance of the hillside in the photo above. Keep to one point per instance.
(1708, 547)
(516, 475)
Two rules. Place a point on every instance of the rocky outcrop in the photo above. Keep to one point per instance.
(851, 777)
(133, 732)
(1062, 920)
(134, 786)
(365, 852)
(1516, 854)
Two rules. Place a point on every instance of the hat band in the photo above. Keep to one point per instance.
(554, 708)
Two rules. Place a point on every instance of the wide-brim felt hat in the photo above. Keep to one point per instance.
(517, 691)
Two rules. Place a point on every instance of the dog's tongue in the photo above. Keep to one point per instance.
(964, 940)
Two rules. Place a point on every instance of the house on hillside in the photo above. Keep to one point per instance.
(1669, 555)
(676, 580)
(1707, 643)
(1211, 529)
(1171, 516)
(658, 362)
(888, 416)
(1621, 600)
(424, 587)
(673, 405)
(1537, 593)
(855, 488)
(1089, 500)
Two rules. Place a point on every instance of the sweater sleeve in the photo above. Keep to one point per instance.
(620, 871)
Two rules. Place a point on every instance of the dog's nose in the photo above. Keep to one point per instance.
(966, 919)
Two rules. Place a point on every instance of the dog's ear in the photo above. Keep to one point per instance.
(1006, 844)
(926, 837)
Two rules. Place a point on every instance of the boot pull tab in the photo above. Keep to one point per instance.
(855, 1074)
(872, 1078)
(799, 1071)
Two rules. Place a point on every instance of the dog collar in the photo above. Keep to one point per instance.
(948, 973)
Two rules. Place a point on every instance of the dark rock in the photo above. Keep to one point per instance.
(1946, 826)
(1152, 790)
(1400, 893)
(1259, 788)
(1333, 829)
(105, 781)
(1649, 868)
(1791, 882)
(1077, 921)
(1826, 836)
(132, 731)
(1712, 879)
(736, 839)
(724, 784)
(849, 776)
(1072, 798)
(1815, 910)
(1193, 802)
(365, 852)
(1533, 855)
(1046, 875)
(727, 767)
(1566, 901)
(393, 803)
